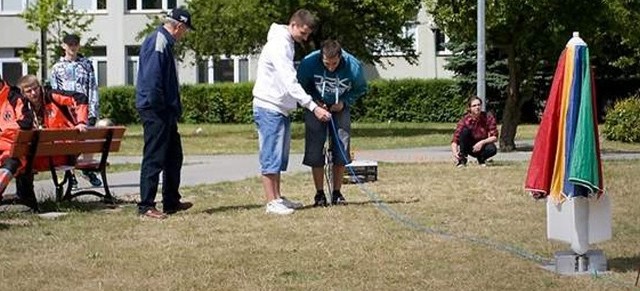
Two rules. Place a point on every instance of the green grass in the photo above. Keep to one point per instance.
(242, 138)
(227, 242)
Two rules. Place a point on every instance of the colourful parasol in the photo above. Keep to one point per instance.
(566, 155)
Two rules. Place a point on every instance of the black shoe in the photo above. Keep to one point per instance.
(320, 200)
(462, 162)
(182, 206)
(93, 179)
(337, 198)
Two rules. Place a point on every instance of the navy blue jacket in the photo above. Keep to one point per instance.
(157, 86)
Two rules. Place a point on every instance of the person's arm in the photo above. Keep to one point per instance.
(152, 65)
(94, 100)
(359, 83)
(492, 133)
(455, 151)
(285, 71)
(55, 79)
(76, 101)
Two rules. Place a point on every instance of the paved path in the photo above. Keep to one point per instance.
(213, 169)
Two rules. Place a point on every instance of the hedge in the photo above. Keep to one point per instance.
(622, 122)
(409, 100)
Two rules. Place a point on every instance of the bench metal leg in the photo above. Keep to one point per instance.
(106, 197)
(60, 192)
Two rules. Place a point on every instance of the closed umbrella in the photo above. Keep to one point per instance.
(565, 165)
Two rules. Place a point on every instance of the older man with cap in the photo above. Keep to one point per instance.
(159, 106)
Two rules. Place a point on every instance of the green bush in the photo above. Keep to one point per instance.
(409, 100)
(119, 104)
(621, 123)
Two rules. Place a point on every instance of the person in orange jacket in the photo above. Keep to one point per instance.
(15, 115)
(50, 109)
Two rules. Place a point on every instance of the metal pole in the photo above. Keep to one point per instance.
(43, 54)
(480, 85)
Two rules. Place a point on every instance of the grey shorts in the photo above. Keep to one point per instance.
(315, 136)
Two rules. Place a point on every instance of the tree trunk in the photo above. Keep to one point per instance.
(511, 114)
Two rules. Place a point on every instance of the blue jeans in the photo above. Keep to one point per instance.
(274, 139)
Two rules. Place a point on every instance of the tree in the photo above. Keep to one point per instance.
(366, 28)
(531, 34)
(53, 19)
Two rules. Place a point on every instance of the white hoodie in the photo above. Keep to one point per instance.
(276, 86)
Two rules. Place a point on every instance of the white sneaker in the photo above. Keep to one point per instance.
(276, 207)
(290, 203)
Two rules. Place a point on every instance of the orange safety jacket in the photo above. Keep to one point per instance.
(61, 109)
(14, 115)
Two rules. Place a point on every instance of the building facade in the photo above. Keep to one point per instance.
(115, 54)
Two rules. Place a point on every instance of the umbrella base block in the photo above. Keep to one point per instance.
(570, 263)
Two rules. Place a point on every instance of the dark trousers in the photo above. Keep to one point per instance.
(466, 143)
(162, 153)
(25, 192)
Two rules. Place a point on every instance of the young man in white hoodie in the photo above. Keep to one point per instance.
(275, 95)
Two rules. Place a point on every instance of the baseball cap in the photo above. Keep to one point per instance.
(71, 39)
(181, 15)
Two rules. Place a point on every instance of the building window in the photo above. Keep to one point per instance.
(132, 58)
(441, 41)
(18, 6)
(88, 5)
(234, 69)
(409, 30)
(11, 69)
(14, 6)
(150, 4)
(99, 62)
(101, 71)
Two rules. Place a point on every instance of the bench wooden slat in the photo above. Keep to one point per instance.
(63, 148)
(62, 134)
(31, 144)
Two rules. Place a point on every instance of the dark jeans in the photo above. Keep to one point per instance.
(466, 143)
(162, 153)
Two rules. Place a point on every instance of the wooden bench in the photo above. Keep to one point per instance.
(51, 143)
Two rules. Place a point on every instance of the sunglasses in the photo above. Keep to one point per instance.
(475, 105)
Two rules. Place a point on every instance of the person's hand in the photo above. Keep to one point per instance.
(455, 153)
(322, 114)
(81, 127)
(337, 107)
(477, 147)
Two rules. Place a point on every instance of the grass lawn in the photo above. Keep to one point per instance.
(422, 236)
(242, 138)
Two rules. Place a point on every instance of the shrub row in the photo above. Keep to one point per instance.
(397, 100)
(622, 121)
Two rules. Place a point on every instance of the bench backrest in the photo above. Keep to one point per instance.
(60, 142)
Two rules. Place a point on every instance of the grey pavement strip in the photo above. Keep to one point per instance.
(218, 168)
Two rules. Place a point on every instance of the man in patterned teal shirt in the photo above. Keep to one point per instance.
(74, 72)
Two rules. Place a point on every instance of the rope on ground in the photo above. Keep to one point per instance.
(410, 223)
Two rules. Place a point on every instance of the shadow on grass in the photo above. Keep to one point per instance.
(624, 264)
(80, 206)
(368, 202)
(310, 206)
(232, 208)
